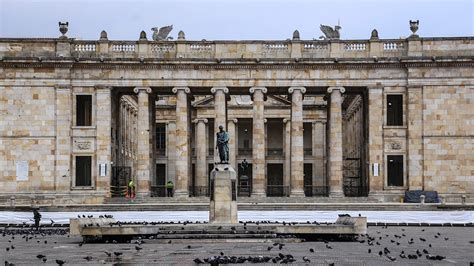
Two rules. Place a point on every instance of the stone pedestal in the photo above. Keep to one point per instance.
(223, 195)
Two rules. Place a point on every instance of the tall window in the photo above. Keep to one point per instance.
(83, 171)
(395, 170)
(161, 138)
(83, 110)
(395, 110)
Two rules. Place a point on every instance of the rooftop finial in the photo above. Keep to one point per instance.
(181, 35)
(414, 27)
(296, 35)
(103, 35)
(63, 27)
(143, 36)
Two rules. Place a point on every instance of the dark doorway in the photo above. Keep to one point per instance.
(275, 186)
(244, 184)
(159, 189)
(395, 170)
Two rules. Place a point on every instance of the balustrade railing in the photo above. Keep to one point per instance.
(355, 46)
(124, 47)
(393, 46)
(85, 47)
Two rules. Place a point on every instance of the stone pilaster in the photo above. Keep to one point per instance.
(171, 151)
(143, 181)
(287, 165)
(297, 149)
(376, 139)
(63, 138)
(182, 142)
(415, 138)
(201, 152)
(104, 137)
(231, 124)
(335, 142)
(319, 169)
(258, 142)
(220, 112)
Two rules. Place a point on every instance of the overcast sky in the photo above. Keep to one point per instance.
(233, 19)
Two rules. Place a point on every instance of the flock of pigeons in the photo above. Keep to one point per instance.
(374, 242)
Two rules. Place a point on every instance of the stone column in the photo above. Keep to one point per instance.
(415, 141)
(287, 166)
(63, 139)
(258, 142)
(297, 149)
(232, 142)
(220, 111)
(320, 129)
(182, 142)
(376, 139)
(201, 152)
(104, 136)
(143, 181)
(335, 142)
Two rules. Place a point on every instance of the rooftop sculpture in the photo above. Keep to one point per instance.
(162, 33)
(330, 33)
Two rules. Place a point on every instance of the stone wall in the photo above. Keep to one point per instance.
(448, 129)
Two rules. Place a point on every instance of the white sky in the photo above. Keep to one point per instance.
(233, 19)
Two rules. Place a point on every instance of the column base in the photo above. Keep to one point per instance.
(336, 194)
(297, 194)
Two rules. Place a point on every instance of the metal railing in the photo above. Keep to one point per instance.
(199, 191)
(243, 151)
(314, 191)
(274, 152)
(244, 191)
(158, 191)
(278, 191)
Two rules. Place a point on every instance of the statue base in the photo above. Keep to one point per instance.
(223, 195)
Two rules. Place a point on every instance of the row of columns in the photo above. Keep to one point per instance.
(295, 126)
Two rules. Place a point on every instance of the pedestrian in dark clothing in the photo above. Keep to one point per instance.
(37, 218)
(169, 188)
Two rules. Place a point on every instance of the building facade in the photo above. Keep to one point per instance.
(322, 118)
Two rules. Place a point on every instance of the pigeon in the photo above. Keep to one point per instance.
(88, 258)
(269, 248)
(305, 259)
(137, 248)
(311, 250)
(108, 253)
(391, 258)
(40, 256)
(433, 257)
(60, 262)
(117, 253)
(198, 261)
(328, 246)
(380, 253)
(369, 251)
(45, 259)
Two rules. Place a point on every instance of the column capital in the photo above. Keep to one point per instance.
(262, 89)
(341, 89)
(185, 89)
(142, 89)
(301, 89)
(265, 120)
(286, 120)
(235, 120)
(197, 120)
(223, 89)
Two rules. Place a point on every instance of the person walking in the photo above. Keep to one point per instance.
(169, 188)
(131, 189)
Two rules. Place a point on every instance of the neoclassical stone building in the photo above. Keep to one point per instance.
(313, 118)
